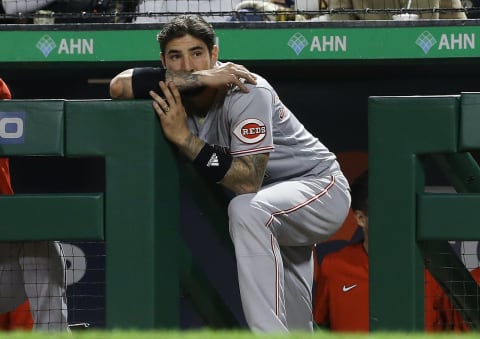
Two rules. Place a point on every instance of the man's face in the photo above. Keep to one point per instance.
(188, 54)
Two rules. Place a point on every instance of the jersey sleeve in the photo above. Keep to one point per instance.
(145, 79)
(251, 122)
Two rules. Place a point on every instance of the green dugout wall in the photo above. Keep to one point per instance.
(136, 215)
(409, 228)
(140, 202)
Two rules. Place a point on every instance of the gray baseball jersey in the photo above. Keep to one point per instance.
(258, 122)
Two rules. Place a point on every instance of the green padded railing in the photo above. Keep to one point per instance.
(409, 228)
(137, 215)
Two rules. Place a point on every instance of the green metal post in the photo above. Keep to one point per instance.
(399, 130)
(142, 209)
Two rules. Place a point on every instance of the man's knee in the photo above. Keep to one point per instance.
(242, 214)
(239, 207)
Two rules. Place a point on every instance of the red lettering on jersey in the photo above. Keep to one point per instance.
(250, 131)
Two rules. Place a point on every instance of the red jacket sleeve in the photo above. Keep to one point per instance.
(5, 184)
(4, 90)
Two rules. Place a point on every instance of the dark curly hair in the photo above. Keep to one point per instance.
(188, 24)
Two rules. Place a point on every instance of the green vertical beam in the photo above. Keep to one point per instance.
(400, 128)
(142, 208)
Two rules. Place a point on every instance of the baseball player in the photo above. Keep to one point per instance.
(32, 274)
(342, 283)
(290, 192)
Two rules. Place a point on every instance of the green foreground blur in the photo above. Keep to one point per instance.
(207, 334)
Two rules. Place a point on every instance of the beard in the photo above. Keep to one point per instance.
(191, 92)
(190, 99)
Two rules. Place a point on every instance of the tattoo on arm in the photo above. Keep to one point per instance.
(191, 146)
(183, 80)
(246, 173)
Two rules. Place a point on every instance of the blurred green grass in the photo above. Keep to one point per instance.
(211, 334)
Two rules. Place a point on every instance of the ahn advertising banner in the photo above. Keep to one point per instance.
(300, 43)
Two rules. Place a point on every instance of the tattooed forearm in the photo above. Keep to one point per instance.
(191, 146)
(246, 173)
(183, 80)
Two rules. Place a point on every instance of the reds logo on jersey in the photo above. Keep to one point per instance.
(282, 112)
(250, 131)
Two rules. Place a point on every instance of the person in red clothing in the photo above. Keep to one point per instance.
(5, 185)
(32, 274)
(341, 301)
(19, 317)
(454, 318)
